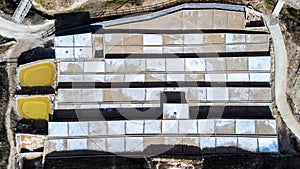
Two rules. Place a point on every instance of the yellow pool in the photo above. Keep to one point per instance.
(40, 74)
(34, 107)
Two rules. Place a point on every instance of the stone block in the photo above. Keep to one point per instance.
(213, 64)
(236, 63)
(268, 145)
(217, 93)
(152, 39)
(193, 39)
(115, 127)
(71, 67)
(196, 94)
(175, 39)
(115, 145)
(188, 126)
(152, 127)
(266, 127)
(220, 19)
(235, 38)
(260, 63)
(77, 144)
(114, 65)
(215, 77)
(248, 144)
(214, 38)
(57, 129)
(97, 144)
(261, 94)
(135, 65)
(94, 67)
(207, 142)
(194, 64)
(225, 126)
(175, 64)
(175, 111)
(97, 128)
(205, 19)
(134, 127)
(78, 129)
(156, 65)
(206, 126)
(238, 77)
(92, 95)
(260, 77)
(134, 144)
(245, 126)
(236, 94)
(169, 126)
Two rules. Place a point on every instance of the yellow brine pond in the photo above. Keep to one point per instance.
(34, 107)
(40, 74)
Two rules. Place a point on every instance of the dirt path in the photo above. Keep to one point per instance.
(59, 9)
(8, 120)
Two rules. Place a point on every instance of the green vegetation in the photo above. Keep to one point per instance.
(4, 145)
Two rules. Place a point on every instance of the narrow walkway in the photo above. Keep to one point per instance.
(281, 65)
(22, 10)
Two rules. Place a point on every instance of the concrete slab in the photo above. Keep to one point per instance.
(156, 50)
(226, 142)
(94, 67)
(64, 41)
(114, 49)
(92, 95)
(236, 63)
(195, 77)
(191, 141)
(225, 126)
(64, 53)
(266, 127)
(217, 93)
(83, 53)
(133, 49)
(189, 18)
(256, 94)
(114, 65)
(215, 77)
(155, 77)
(236, 94)
(97, 144)
(235, 38)
(263, 47)
(260, 63)
(235, 48)
(172, 50)
(134, 127)
(175, 77)
(175, 111)
(169, 126)
(115, 127)
(113, 39)
(215, 64)
(135, 77)
(153, 141)
(114, 78)
(194, 64)
(78, 129)
(135, 65)
(57, 145)
(236, 20)
(71, 67)
(205, 19)
(188, 126)
(155, 65)
(257, 38)
(133, 40)
(176, 39)
(220, 19)
(173, 140)
(134, 94)
(260, 77)
(215, 38)
(245, 126)
(115, 145)
(97, 128)
(175, 21)
(83, 39)
(207, 142)
(153, 94)
(69, 95)
(70, 78)
(97, 41)
(196, 94)
(152, 127)
(175, 64)
(152, 39)
(93, 78)
(206, 126)
(56, 129)
(268, 145)
(238, 77)
(192, 39)
(248, 144)
(134, 144)
(77, 144)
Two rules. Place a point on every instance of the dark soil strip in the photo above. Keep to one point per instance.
(35, 54)
(201, 112)
(32, 126)
(187, 55)
(69, 85)
(35, 91)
